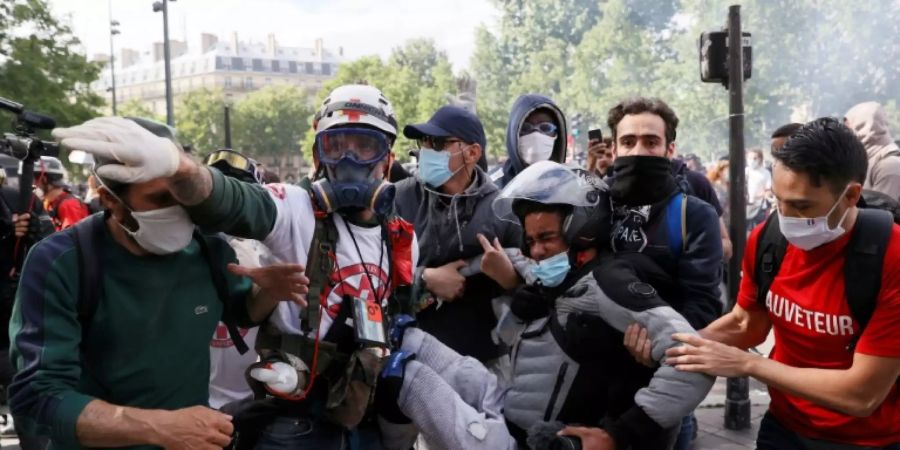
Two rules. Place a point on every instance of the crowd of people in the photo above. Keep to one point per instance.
(188, 304)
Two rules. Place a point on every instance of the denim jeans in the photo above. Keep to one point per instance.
(774, 436)
(302, 434)
(686, 434)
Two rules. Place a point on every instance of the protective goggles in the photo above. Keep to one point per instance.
(232, 160)
(544, 128)
(361, 145)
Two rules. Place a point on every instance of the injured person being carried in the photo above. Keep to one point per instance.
(564, 327)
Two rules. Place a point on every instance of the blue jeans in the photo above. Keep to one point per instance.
(686, 434)
(774, 436)
(302, 434)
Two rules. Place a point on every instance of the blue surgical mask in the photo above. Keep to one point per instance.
(434, 166)
(553, 270)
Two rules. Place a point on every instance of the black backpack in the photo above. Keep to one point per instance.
(88, 233)
(863, 265)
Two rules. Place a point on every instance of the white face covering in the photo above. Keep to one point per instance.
(534, 147)
(808, 234)
(162, 231)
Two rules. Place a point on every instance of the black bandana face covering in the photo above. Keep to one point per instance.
(642, 180)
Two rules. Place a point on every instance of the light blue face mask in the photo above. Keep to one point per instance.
(553, 270)
(434, 166)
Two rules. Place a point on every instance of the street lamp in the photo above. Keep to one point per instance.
(164, 7)
(113, 30)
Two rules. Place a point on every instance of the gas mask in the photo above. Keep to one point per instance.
(350, 157)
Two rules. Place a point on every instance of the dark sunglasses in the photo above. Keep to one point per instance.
(438, 143)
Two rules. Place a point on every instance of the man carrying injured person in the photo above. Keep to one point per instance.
(570, 370)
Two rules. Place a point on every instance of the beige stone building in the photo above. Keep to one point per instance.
(236, 67)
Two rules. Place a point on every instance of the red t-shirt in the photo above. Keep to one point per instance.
(68, 211)
(813, 326)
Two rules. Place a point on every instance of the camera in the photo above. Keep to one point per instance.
(23, 143)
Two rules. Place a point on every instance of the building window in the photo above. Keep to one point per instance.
(326, 69)
(292, 67)
(276, 66)
(237, 63)
(258, 65)
(309, 67)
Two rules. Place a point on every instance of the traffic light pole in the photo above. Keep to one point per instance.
(737, 402)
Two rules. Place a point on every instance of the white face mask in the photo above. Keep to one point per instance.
(808, 234)
(162, 231)
(39, 193)
(534, 147)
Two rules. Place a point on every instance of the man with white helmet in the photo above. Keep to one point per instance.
(320, 361)
(566, 326)
(64, 208)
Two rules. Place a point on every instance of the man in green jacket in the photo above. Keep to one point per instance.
(136, 370)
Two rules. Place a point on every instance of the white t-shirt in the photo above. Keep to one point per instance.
(226, 365)
(758, 182)
(290, 241)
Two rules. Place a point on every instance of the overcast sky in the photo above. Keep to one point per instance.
(362, 27)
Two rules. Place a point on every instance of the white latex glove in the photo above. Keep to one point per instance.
(144, 156)
(280, 377)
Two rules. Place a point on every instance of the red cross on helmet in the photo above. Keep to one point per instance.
(355, 103)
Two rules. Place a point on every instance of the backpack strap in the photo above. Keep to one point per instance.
(676, 217)
(319, 265)
(865, 258)
(320, 262)
(770, 248)
(221, 285)
(88, 233)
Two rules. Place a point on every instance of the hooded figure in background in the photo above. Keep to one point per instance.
(536, 132)
(870, 123)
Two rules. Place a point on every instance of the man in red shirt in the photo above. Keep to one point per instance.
(64, 208)
(823, 394)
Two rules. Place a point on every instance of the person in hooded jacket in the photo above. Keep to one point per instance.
(536, 132)
(449, 203)
(869, 121)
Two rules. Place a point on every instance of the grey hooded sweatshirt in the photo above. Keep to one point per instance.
(869, 121)
(446, 227)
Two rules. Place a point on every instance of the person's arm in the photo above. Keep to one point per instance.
(740, 328)
(727, 250)
(669, 396)
(220, 204)
(102, 424)
(271, 285)
(856, 391)
(700, 265)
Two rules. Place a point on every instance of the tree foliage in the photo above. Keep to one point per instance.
(810, 58)
(40, 66)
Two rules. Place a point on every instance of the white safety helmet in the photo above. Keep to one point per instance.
(356, 103)
(48, 165)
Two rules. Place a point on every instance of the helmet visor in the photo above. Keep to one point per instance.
(361, 145)
(545, 182)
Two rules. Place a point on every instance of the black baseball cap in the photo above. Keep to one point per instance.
(450, 121)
